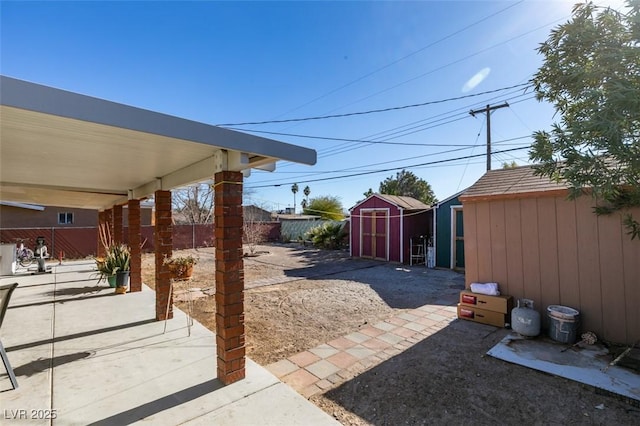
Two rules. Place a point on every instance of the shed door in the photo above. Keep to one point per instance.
(374, 234)
(457, 243)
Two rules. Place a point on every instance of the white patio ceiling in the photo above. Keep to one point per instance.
(66, 149)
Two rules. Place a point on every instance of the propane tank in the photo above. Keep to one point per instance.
(525, 320)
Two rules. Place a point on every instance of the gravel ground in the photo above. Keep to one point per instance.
(298, 297)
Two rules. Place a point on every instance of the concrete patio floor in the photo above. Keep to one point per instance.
(84, 355)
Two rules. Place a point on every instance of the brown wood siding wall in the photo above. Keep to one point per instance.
(556, 251)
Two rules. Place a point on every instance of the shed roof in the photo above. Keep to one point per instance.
(449, 198)
(512, 182)
(67, 149)
(402, 202)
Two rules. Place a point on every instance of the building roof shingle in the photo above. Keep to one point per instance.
(407, 203)
(517, 181)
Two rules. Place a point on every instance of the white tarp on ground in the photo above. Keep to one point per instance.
(588, 364)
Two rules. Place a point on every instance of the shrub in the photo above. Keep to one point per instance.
(328, 236)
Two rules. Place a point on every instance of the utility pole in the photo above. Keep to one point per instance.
(487, 110)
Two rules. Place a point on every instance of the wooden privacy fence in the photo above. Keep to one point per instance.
(72, 243)
(293, 230)
(82, 242)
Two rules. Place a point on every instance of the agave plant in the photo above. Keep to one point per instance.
(118, 257)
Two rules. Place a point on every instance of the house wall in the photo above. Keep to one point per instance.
(558, 252)
(256, 214)
(17, 217)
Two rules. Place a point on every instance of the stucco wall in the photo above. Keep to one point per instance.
(17, 217)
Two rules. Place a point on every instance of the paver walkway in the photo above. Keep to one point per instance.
(330, 364)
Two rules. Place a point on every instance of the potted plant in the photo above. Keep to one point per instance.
(105, 267)
(181, 267)
(119, 257)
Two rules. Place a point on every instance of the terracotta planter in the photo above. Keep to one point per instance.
(181, 272)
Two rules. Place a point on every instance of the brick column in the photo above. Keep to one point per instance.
(163, 247)
(118, 234)
(135, 239)
(229, 277)
(102, 221)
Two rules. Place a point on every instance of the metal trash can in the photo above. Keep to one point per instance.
(563, 323)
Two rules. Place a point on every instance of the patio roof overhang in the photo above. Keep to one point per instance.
(67, 149)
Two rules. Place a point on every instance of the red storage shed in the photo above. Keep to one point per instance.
(382, 227)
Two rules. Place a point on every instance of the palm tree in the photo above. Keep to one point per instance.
(307, 191)
(294, 189)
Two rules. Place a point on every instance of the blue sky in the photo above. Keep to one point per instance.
(237, 62)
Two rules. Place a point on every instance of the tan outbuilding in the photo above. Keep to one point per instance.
(522, 232)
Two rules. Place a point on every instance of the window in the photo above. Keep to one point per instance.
(65, 218)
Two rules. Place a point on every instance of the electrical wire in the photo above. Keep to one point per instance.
(355, 143)
(475, 145)
(397, 160)
(375, 111)
(449, 64)
(402, 58)
(385, 170)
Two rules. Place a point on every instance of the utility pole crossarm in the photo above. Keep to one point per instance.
(487, 110)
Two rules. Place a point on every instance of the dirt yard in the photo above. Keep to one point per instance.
(298, 297)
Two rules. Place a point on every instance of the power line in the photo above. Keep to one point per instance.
(464, 171)
(397, 160)
(415, 129)
(449, 64)
(400, 131)
(386, 141)
(384, 170)
(349, 114)
(402, 58)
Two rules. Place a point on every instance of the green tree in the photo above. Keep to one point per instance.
(294, 189)
(306, 192)
(591, 74)
(509, 165)
(409, 185)
(327, 207)
(368, 194)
